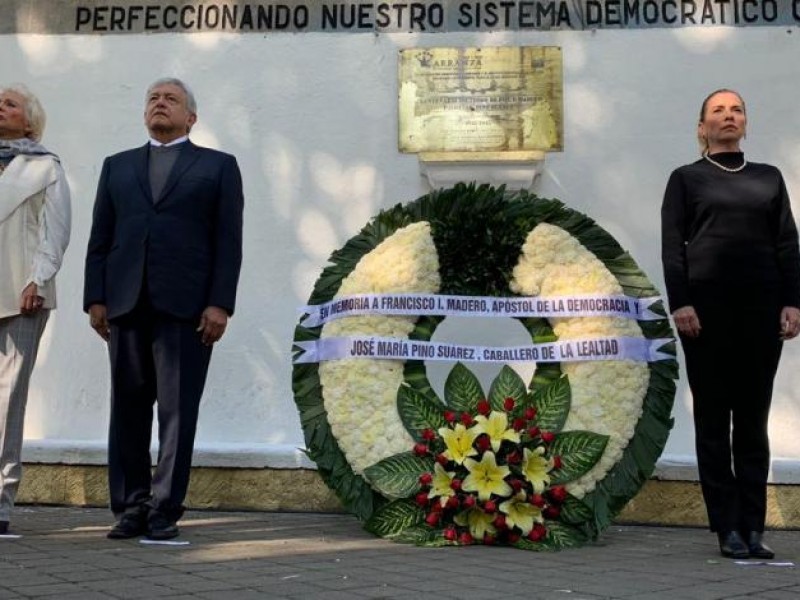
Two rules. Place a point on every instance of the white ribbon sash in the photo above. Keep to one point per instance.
(368, 347)
(480, 306)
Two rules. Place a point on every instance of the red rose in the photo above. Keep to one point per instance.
(508, 404)
(466, 419)
(488, 539)
(490, 506)
(420, 449)
(530, 413)
(465, 539)
(432, 519)
(455, 484)
(484, 443)
(518, 424)
(537, 533)
(450, 534)
(500, 521)
(558, 493)
(449, 416)
(426, 479)
(453, 502)
(428, 434)
(537, 500)
(468, 502)
(515, 484)
(533, 431)
(484, 408)
(551, 512)
(442, 459)
(514, 458)
(548, 437)
(422, 498)
(513, 538)
(556, 462)
(437, 507)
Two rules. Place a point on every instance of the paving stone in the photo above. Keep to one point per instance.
(242, 556)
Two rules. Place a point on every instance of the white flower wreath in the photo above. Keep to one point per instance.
(409, 249)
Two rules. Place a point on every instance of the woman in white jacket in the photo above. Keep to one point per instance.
(34, 232)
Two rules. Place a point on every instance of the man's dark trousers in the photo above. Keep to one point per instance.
(155, 358)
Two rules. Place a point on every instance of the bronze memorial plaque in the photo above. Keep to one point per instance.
(481, 99)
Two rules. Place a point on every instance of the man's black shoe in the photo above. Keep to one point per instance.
(130, 525)
(161, 528)
(731, 545)
(756, 547)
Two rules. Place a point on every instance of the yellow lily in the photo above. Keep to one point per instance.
(459, 442)
(496, 427)
(440, 486)
(486, 477)
(535, 468)
(520, 513)
(479, 522)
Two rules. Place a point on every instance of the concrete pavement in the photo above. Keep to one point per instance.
(63, 554)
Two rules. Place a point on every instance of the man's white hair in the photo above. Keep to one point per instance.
(191, 103)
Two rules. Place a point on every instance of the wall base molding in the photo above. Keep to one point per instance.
(661, 502)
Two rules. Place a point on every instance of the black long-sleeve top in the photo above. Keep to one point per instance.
(733, 230)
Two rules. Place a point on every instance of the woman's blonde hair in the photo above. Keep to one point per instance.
(34, 113)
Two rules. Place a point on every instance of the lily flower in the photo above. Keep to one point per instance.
(536, 468)
(440, 486)
(479, 522)
(496, 427)
(486, 477)
(459, 442)
(521, 513)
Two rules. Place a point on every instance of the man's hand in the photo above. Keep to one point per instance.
(98, 320)
(687, 321)
(790, 322)
(30, 302)
(212, 324)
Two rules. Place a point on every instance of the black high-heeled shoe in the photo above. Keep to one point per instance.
(756, 547)
(731, 545)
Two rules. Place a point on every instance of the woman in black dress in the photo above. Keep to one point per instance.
(732, 271)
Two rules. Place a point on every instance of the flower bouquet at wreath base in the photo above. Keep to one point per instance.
(486, 470)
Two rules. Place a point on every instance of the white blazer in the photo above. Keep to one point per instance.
(34, 228)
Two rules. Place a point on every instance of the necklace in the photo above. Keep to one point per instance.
(723, 167)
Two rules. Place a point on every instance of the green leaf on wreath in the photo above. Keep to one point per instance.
(419, 412)
(422, 535)
(394, 517)
(574, 511)
(526, 544)
(462, 390)
(561, 535)
(507, 384)
(398, 475)
(579, 452)
(540, 331)
(552, 404)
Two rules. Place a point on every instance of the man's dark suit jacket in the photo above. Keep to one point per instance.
(187, 243)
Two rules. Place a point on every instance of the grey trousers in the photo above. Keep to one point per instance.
(19, 344)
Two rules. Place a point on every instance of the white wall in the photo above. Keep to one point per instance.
(312, 120)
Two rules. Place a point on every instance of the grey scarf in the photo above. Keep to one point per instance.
(11, 148)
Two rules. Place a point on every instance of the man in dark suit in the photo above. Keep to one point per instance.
(162, 267)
